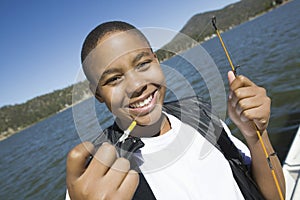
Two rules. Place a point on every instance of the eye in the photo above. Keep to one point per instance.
(113, 80)
(143, 65)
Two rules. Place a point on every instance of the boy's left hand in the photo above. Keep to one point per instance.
(248, 103)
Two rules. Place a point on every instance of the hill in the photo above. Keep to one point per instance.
(14, 118)
(199, 27)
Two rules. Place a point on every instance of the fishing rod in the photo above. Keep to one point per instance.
(214, 20)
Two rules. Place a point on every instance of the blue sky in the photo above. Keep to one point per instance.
(41, 40)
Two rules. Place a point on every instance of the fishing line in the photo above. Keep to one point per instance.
(195, 40)
(204, 29)
(228, 53)
(256, 129)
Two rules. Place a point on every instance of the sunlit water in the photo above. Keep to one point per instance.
(32, 162)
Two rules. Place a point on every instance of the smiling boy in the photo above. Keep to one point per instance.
(125, 74)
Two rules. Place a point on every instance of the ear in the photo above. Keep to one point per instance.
(95, 91)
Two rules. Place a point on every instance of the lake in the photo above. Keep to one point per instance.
(32, 162)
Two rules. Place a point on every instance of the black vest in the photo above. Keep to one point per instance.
(198, 114)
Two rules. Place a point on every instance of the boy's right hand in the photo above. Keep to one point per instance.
(106, 177)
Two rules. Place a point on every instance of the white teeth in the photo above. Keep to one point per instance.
(142, 103)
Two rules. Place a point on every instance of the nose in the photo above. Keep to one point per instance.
(135, 86)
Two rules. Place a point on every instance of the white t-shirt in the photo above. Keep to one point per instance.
(182, 164)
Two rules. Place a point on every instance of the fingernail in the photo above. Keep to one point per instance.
(105, 143)
(230, 95)
(263, 121)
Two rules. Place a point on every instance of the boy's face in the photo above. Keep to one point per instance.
(128, 78)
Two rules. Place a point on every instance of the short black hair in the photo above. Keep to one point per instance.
(94, 37)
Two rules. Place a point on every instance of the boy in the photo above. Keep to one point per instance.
(125, 74)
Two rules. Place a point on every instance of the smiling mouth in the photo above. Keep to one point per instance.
(142, 103)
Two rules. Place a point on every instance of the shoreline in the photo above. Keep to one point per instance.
(9, 133)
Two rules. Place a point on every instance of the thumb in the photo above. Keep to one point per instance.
(231, 77)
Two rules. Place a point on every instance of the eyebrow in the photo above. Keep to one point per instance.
(109, 71)
(140, 56)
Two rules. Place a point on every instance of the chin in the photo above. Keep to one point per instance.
(151, 118)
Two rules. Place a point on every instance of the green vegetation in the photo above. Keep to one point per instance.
(14, 118)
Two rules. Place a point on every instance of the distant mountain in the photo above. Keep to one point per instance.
(14, 118)
(199, 26)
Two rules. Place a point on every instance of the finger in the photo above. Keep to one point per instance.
(117, 172)
(248, 103)
(241, 93)
(253, 114)
(129, 184)
(76, 160)
(231, 76)
(240, 81)
(245, 92)
(102, 161)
